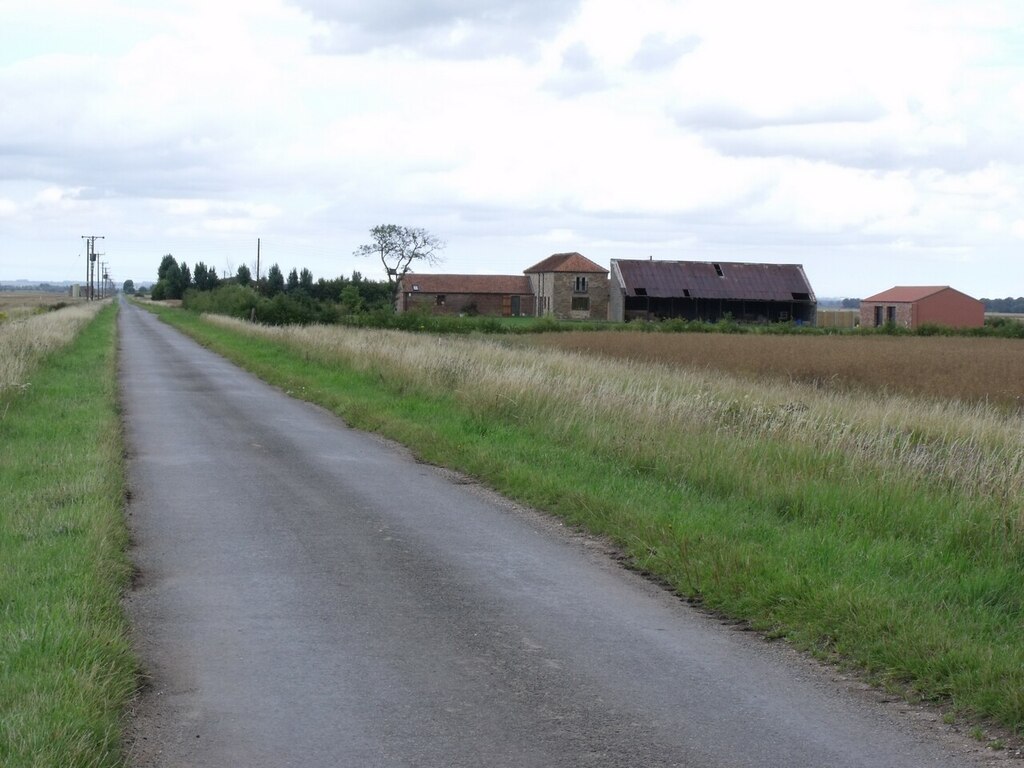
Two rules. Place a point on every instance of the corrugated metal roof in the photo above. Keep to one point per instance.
(566, 262)
(907, 293)
(503, 284)
(714, 280)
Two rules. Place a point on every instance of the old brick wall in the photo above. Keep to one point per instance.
(904, 313)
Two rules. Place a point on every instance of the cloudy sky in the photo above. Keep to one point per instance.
(876, 143)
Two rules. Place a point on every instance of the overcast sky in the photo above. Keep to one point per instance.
(876, 142)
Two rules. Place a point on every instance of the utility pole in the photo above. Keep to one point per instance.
(96, 270)
(105, 278)
(257, 263)
(90, 249)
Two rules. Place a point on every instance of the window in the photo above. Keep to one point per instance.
(890, 314)
(686, 293)
(640, 291)
(439, 300)
(718, 270)
(801, 296)
(581, 284)
(580, 303)
(878, 315)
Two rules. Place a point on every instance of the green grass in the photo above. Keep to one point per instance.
(872, 560)
(66, 667)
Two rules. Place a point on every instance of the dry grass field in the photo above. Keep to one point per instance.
(951, 368)
(18, 304)
(27, 337)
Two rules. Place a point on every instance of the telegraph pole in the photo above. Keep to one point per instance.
(90, 248)
(257, 263)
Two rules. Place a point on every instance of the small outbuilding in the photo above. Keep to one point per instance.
(496, 295)
(911, 306)
(706, 290)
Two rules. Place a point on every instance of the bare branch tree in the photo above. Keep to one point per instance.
(398, 248)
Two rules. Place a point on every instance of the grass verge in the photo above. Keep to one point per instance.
(888, 536)
(66, 667)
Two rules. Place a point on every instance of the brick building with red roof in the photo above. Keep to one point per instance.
(568, 286)
(497, 295)
(911, 306)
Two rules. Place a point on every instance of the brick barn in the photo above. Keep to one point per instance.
(496, 295)
(911, 306)
(699, 290)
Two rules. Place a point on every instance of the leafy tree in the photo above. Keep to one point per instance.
(243, 276)
(275, 281)
(398, 248)
(186, 279)
(170, 284)
(326, 290)
(201, 276)
(165, 264)
(128, 287)
(351, 301)
(306, 281)
(293, 281)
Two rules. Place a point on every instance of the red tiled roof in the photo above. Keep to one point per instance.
(907, 293)
(714, 280)
(503, 284)
(566, 262)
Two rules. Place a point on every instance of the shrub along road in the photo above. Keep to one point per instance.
(309, 595)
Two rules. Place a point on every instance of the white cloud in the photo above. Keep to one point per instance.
(451, 28)
(792, 131)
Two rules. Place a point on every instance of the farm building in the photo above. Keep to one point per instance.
(570, 286)
(911, 306)
(698, 290)
(497, 295)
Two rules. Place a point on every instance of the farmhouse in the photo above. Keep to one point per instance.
(910, 306)
(498, 295)
(698, 290)
(570, 286)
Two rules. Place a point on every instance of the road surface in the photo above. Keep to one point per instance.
(309, 595)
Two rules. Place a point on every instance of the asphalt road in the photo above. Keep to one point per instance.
(309, 595)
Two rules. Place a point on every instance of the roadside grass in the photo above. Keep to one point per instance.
(66, 666)
(883, 533)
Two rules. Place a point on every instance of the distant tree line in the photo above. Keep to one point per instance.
(1009, 304)
(297, 298)
(275, 298)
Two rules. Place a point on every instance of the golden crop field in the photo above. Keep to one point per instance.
(16, 304)
(957, 368)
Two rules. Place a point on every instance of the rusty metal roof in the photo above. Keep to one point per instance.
(566, 262)
(907, 293)
(713, 280)
(503, 284)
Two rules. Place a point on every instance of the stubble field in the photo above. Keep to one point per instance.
(947, 368)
